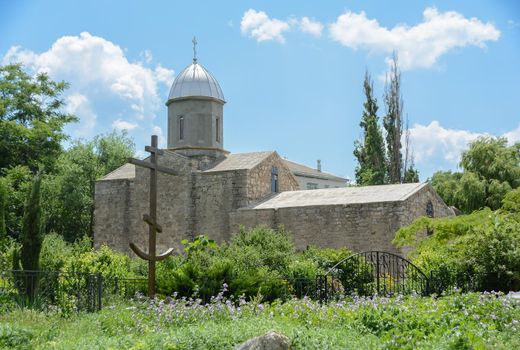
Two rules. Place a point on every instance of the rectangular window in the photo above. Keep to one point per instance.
(181, 128)
(274, 179)
(217, 129)
(312, 186)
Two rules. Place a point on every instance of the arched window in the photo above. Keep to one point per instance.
(181, 127)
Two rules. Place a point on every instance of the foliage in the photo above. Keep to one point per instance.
(454, 321)
(69, 193)
(326, 258)
(103, 260)
(370, 152)
(32, 228)
(18, 182)
(199, 243)
(31, 119)
(481, 242)
(393, 124)
(491, 169)
(3, 207)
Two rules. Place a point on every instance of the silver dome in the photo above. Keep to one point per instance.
(195, 80)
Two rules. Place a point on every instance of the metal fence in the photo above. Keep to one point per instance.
(68, 290)
(90, 292)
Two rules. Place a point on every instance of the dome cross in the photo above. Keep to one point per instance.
(194, 41)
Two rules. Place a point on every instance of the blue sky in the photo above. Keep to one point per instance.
(291, 71)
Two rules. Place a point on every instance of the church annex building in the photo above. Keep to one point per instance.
(215, 192)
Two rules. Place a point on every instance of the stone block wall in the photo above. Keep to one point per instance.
(259, 178)
(112, 213)
(360, 227)
(214, 196)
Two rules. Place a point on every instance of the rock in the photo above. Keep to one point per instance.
(269, 341)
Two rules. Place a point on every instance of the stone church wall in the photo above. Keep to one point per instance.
(360, 227)
(112, 212)
(259, 178)
(214, 196)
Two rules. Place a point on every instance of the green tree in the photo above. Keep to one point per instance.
(18, 183)
(392, 123)
(370, 152)
(3, 205)
(31, 238)
(69, 194)
(31, 119)
(491, 169)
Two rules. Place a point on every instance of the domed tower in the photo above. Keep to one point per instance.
(196, 113)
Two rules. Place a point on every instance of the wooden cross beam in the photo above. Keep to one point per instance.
(151, 218)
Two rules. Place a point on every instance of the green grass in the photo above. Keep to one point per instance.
(458, 321)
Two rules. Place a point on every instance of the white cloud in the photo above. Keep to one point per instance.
(513, 24)
(120, 124)
(513, 135)
(311, 27)
(259, 26)
(79, 105)
(164, 75)
(429, 142)
(419, 46)
(94, 65)
(161, 139)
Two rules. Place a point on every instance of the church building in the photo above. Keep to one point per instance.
(215, 192)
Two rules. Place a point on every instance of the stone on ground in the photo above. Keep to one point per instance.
(269, 341)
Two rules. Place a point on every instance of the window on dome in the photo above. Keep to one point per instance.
(181, 128)
(217, 129)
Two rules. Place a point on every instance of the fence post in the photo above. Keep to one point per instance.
(99, 289)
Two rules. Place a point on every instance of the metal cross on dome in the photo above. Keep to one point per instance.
(151, 218)
(194, 41)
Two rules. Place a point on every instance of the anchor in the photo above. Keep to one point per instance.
(151, 218)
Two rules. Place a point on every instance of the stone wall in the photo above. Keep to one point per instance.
(214, 196)
(360, 227)
(112, 213)
(259, 178)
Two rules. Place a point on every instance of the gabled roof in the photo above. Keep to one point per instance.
(302, 170)
(126, 171)
(340, 196)
(240, 161)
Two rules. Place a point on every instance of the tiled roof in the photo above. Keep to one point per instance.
(340, 196)
(303, 170)
(240, 161)
(126, 171)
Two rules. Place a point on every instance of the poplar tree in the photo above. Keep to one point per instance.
(370, 151)
(392, 122)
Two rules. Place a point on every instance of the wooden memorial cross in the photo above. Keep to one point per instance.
(151, 218)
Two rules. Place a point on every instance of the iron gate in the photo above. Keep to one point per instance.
(373, 273)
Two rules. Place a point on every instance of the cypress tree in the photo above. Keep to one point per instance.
(393, 124)
(370, 152)
(31, 237)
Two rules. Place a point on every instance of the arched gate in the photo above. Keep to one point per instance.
(373, 273)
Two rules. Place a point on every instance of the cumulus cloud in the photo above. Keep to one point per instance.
(79, 105)
(120, 124)
(419, 46)
(259, 26)
(96, 66)
(433, 140)
(310, 26)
